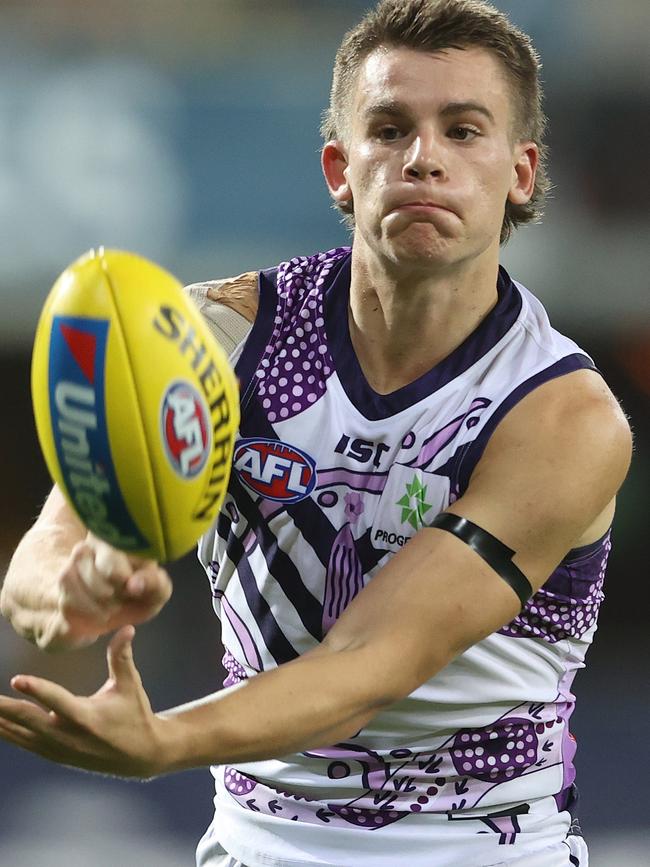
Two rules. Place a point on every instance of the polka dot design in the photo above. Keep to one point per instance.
(365, 818)
(496, 754)
(296, 364)
(567, 605)
(238, 783)
(235, 671)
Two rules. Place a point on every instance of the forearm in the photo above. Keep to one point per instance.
(321, 698)
(30, 593)
(368, 660)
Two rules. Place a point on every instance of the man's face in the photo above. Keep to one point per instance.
(430, 157)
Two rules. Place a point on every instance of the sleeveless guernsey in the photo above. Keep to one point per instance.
(329, 480)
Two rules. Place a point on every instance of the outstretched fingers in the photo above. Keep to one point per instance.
(19, 714)
(20, 735)
(49, 695)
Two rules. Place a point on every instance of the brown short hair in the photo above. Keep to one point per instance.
(432, 25)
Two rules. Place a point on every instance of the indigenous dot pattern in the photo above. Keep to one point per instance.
(237, 783)
(296, 364)
(567, 605)
(235, 671)
(365, 818)
(496, 754)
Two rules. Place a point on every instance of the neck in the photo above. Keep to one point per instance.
(403, 322)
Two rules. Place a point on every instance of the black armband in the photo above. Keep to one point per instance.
(497, 555)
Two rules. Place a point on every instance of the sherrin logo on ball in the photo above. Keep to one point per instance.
(136, 405)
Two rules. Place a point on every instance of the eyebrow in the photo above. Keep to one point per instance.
(390, 107)
(453, 108)
(396, 108)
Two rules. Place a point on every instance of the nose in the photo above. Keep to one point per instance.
(423, 158)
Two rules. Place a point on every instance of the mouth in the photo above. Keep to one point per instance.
(424, 207)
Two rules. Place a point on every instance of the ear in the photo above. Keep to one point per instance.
(523, 172)
(335, 162)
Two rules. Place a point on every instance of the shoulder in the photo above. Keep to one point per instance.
(551, 470)
(567, 414)
(229, 306)
(240, 294)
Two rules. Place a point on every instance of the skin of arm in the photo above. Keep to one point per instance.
(29, 605)
(546, 483)
(239, 293)
(64, 587)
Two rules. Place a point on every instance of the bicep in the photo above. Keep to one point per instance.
(433, 599)
(548, 479)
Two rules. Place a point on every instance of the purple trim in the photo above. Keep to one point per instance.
(269, 509)
(586, 551)
(565, 704)
(276, 641)
(372, 483)
(236, 671)
(376, 406)
(432, 446)
(569, 364)
(567, 604)
(569, 799)
(578, 576)
(249, 649)
(259, 335)
(296, 364)
(280, 567)
(344, 578)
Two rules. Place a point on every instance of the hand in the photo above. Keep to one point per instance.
(100, 590)
(113, 731)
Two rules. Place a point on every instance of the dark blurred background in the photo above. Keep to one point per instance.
(188, 132)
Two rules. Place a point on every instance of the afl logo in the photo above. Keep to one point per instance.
(185, 429)
(275, 470)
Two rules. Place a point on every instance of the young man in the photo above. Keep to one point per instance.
(416, 579)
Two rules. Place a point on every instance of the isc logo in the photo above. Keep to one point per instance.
(275, 470)
(186, 431)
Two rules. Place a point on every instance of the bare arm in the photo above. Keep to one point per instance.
(30, 593)
(64, 587)
(545, 484)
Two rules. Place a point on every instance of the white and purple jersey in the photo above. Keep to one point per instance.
(330, 479)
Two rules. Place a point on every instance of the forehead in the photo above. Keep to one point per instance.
(433, 79)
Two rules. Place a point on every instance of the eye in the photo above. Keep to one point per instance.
(463, 133)
(388, 133)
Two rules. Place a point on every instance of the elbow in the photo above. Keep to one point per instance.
(409, 667)
(384, 678)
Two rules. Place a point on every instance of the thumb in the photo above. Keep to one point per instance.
(119, 655)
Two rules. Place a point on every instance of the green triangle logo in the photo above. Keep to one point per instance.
(413, 503)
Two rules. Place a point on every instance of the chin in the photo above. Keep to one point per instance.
(425, 251)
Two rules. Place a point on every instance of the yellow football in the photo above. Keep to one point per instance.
(136, 404)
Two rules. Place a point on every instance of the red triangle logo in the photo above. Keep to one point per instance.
(83, 347)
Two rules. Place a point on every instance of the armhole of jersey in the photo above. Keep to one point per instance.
(260, 334)
(584, 552)
(475, 449)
